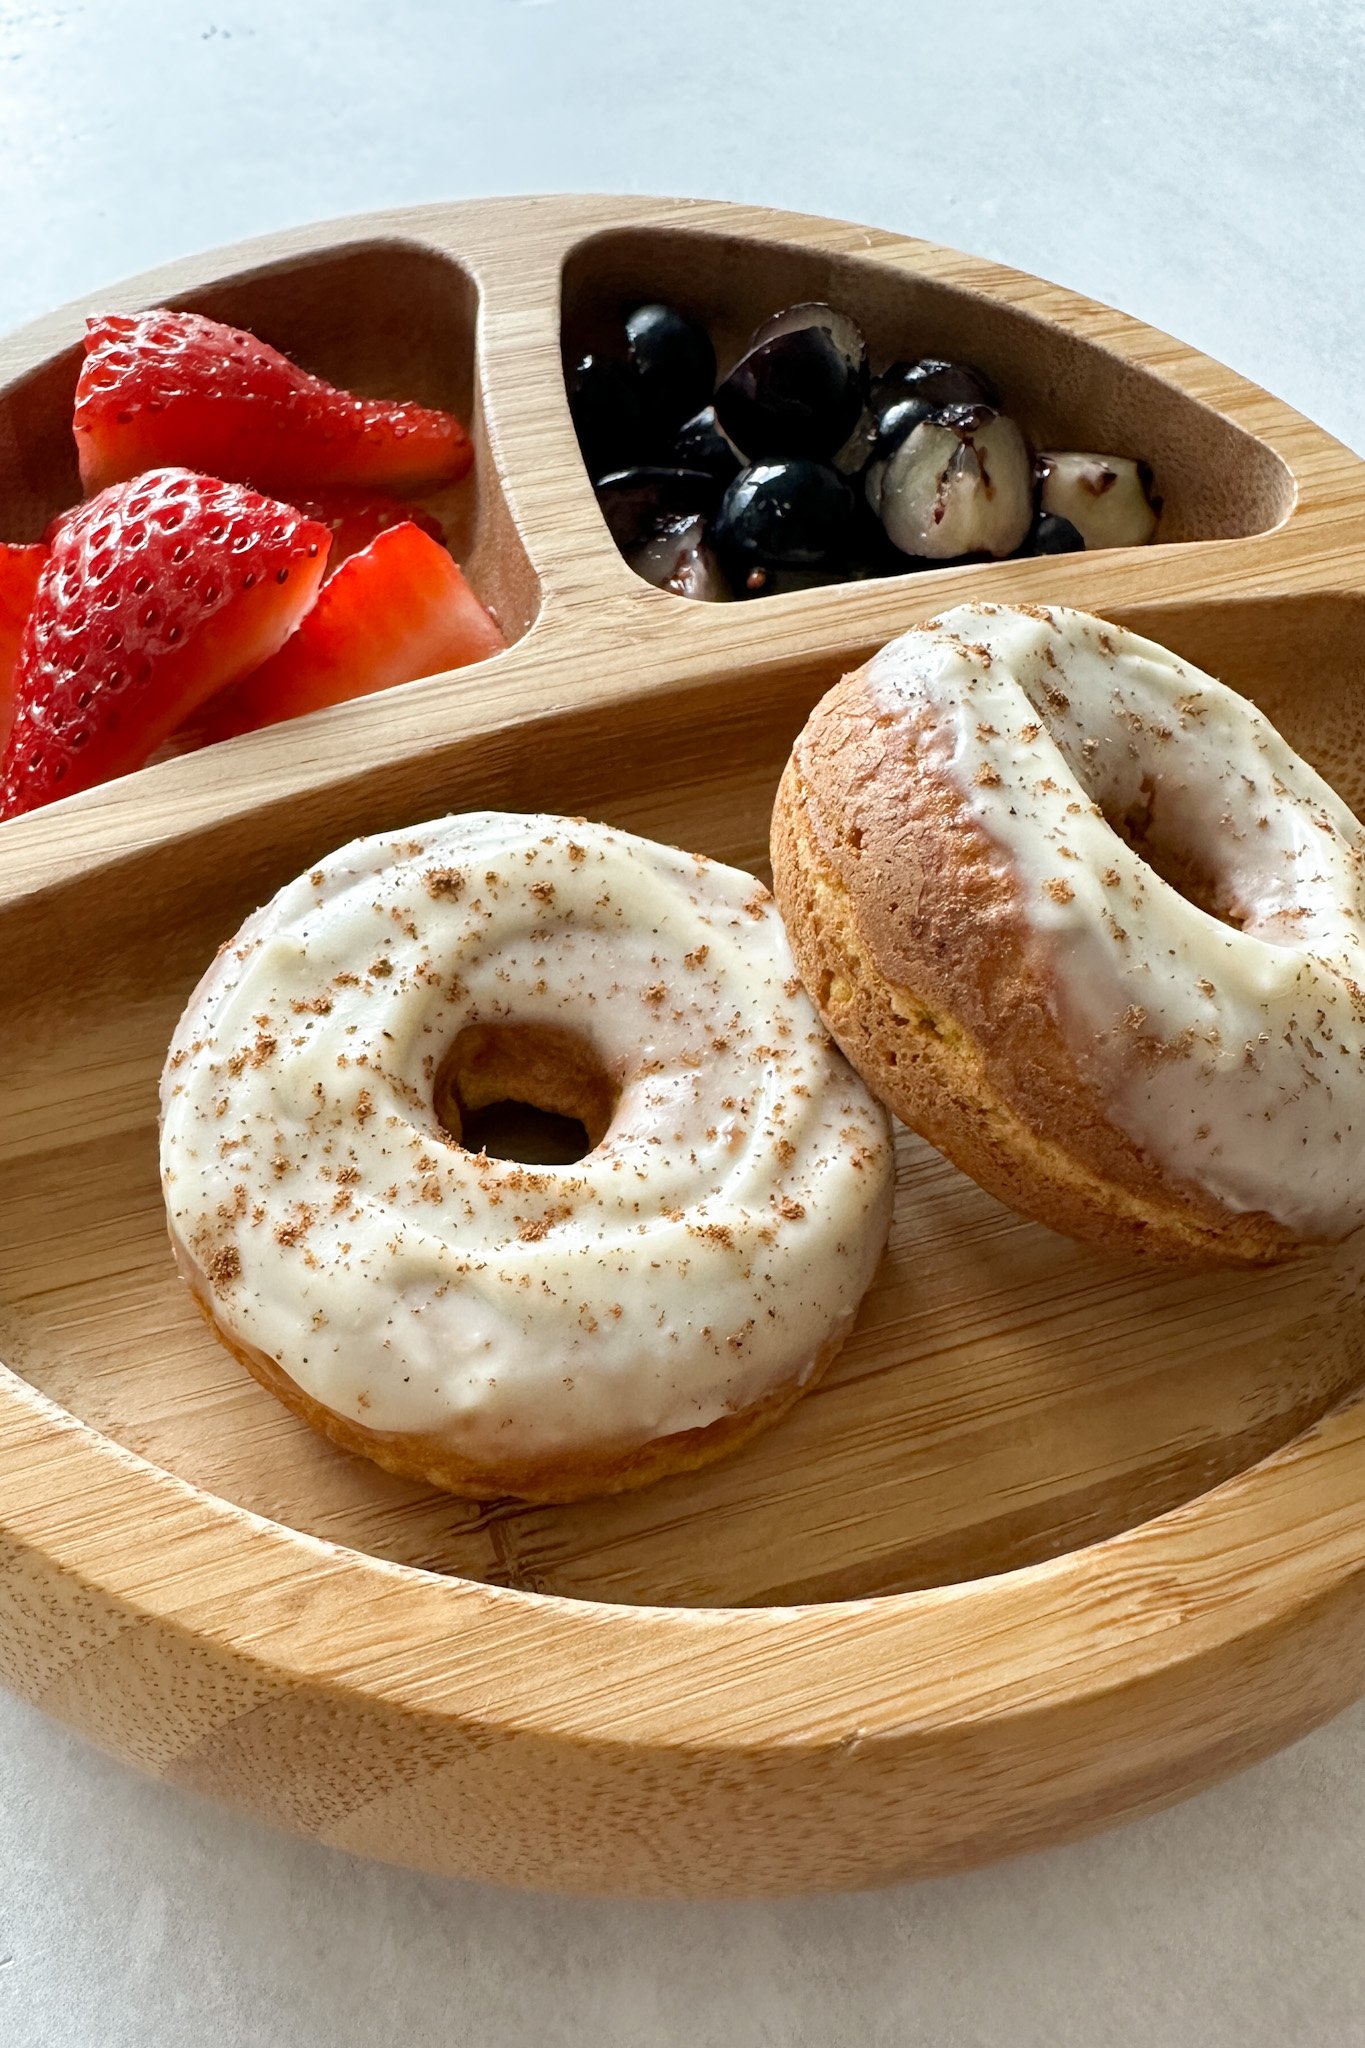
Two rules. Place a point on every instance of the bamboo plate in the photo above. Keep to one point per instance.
(1059, 1541)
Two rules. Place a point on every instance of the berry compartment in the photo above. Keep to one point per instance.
(1067, 386)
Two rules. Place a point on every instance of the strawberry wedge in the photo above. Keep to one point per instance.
(155, 596)
(165, 387)
(20, 568)
(355, 518)
(398, 610)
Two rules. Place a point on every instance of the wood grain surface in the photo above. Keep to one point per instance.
(1059, 1539)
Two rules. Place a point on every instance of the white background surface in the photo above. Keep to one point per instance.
(1200, 165)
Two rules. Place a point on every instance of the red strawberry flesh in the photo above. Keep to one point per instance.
(399, 610)
(168, 387)
(20, 568)
(156, 595)
(355, 518)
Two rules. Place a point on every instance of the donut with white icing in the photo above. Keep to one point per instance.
(1080, 916)
(495, 1327)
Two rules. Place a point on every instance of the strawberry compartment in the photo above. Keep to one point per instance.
(387, 319)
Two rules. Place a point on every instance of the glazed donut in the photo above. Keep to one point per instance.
(495, 1327)
(1081, 917)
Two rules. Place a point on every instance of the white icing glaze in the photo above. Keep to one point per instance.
(699, 1257)
(1234, 1057)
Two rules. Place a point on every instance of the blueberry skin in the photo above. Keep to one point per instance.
(784, 525)
(640, 502)
(673, 363)
(899, 418)
(700, 444)
(679, 559)
(796, 394)
(938, 381)
(608, 417)
(1050, 534)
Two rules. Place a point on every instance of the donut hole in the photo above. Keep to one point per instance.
(528, 1092)
(530, 1136)
(1166, 844)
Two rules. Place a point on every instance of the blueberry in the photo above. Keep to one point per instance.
(800, 387)
(700, 444)
(960, 483)
(784, 524)
(937, 381)
(679, 558)
(1050, 534)
(608, 416)
(1109, 499)
(673, 363)
(639, 503)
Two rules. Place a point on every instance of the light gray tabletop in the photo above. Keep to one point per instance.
(1199, 165)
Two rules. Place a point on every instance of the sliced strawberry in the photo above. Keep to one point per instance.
(164, 387)
(398, 610)
(20, 568)
(355, 518)
(156, 594)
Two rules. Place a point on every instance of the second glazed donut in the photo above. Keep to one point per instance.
(1082, 917)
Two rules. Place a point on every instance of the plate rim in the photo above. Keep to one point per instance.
(69, 1494)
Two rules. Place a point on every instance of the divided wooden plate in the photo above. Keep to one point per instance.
(1060, 1540)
